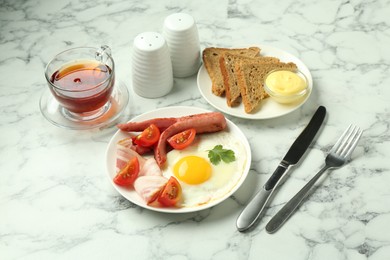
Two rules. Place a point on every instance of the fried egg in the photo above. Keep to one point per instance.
(203, 182)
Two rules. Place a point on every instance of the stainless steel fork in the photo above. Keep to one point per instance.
(338, 156)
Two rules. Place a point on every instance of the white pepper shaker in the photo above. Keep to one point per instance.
(181, 33)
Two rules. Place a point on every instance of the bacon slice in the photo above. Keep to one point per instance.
(150, 168)
(125, 153)
(128, 142)
(141, 150)
(149, 187)
(203, 123)
(150, 180)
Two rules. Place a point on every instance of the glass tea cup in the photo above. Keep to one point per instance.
(81, 80)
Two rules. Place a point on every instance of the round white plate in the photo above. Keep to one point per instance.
(268, 107)
(177, 111)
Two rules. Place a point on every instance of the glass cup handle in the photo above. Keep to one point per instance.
(100, 53)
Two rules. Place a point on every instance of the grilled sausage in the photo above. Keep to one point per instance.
(161, 123)
(203, 123)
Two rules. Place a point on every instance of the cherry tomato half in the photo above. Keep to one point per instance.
(171, 194)
(154, 197)
(148, 137)
(182, 140)
(127, 175)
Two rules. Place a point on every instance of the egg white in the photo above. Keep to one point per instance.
(224, 176)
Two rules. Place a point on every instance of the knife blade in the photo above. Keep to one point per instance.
(252, 212)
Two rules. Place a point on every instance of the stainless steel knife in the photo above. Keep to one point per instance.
(256, 206)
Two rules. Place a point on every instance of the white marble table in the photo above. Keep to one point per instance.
(56, 201)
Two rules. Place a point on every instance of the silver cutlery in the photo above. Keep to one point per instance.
(258, 203)
(337, 157)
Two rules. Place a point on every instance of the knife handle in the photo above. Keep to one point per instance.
(253, 210)
(256, 206)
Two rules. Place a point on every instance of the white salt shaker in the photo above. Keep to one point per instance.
(152, 74)
(181, 33)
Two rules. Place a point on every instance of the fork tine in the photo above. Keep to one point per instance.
(347, 139)
(352, 144)
(341, 141)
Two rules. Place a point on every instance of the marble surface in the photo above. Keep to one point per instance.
(56, 201)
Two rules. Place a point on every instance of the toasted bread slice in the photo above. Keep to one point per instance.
(250, 78)
(211, 58)
(229, 74)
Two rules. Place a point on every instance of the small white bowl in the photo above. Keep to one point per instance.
(287, 98)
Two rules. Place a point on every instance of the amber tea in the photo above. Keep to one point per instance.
(83, 86)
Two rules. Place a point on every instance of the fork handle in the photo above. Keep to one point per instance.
(278, 220)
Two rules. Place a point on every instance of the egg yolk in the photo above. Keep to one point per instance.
(192, 170)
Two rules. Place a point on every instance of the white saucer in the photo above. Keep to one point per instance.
(56, 114)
